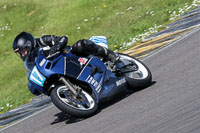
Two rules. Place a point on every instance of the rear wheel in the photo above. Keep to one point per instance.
(83, 105)
(139, 75)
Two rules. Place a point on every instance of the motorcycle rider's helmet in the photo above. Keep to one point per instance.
(24, 44)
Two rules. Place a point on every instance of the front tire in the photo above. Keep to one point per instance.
(140, 78)
(84, 106)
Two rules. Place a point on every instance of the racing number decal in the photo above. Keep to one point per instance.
(37, 77)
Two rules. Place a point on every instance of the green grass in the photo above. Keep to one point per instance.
(39, 17)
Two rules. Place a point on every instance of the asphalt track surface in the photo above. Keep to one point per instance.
(170, 105)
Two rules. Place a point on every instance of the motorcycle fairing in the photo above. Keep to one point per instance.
(73, 66)
(95, 80)
(36, 89)
(103, 82)
(93, 72)
(54, 66)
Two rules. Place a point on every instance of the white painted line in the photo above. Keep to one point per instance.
(26, 118)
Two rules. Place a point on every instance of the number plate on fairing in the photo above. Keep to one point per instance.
(37, 77)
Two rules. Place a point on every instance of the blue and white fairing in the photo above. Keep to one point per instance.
(103, 82)
(43, 70)
(95, 80)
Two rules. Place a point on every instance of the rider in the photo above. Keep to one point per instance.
(28, 48)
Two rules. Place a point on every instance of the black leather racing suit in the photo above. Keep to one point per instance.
(88, 47)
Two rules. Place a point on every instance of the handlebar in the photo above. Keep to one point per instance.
(52, 55)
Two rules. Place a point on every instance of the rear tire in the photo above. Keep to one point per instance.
(138, 79)
(72, 106)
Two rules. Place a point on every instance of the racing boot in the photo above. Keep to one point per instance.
(113, 57)
(106, 54)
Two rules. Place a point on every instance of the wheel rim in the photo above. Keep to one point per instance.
(86, 104)
(140, 73)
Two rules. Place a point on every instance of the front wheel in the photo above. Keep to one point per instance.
(139, 75)
(82, 106)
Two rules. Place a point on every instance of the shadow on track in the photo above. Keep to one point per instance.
(62, 117)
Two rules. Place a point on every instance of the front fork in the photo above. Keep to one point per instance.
(74, 91)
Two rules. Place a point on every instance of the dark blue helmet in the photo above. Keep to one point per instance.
(24, 44)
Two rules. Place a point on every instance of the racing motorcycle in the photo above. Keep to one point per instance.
(77, 84)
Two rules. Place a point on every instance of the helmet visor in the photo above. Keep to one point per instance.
(23, 53)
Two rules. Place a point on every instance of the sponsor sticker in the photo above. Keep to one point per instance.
(94, 83)
(42, 62)
(120, 82)
(82, 60)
